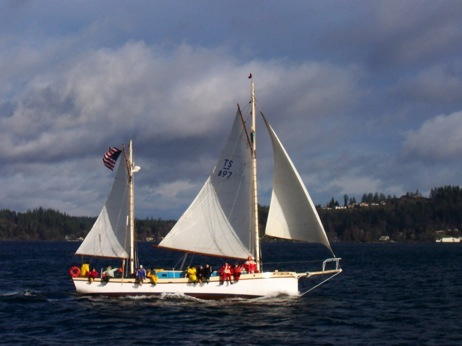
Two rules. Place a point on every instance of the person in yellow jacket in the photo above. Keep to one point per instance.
(191, 273)
(84, 270)
(152, 276)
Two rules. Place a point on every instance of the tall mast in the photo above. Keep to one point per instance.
(254, 178)
(132, 169)
(131, 209)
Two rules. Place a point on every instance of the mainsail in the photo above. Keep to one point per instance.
(107, 238)
(292, 214)
(218, 221)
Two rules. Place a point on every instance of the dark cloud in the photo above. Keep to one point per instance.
(364, 95)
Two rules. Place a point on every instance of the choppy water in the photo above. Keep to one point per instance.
(388, 294)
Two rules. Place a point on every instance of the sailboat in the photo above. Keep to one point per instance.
(222, 221)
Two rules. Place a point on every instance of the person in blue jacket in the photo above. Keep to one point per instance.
(140, 275)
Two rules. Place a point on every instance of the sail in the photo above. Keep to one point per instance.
(292, 214)
(107, 237)
(218, 221)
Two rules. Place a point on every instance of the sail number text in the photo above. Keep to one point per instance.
(225, 171)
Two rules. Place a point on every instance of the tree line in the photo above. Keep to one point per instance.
(409, 218)
(49, 224)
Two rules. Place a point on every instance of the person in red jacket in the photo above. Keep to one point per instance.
(250, 265)
(226, 274)
(237, 272)
(92, 275)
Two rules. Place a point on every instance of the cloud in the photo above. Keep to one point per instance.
(439, 84)
(177, 105)
(351, 184)
(352, 90)
(437, 139)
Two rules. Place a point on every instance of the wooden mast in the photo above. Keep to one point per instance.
(254, 178)
(131, 210)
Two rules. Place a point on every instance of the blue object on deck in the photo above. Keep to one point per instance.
(170, 274)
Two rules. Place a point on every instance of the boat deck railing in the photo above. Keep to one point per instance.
(336, 260)
(331, 272)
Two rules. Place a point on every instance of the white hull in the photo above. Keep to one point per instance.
(249, 286)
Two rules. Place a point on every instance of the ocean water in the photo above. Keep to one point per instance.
(388, 294)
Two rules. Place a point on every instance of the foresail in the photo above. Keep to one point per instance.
(292, 214)
(107, 238)
(218, 221)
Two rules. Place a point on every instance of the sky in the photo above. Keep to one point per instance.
(366, 96)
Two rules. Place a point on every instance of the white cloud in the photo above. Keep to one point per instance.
(438, 139)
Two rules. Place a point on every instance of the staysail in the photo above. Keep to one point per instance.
(292, 214)
(107, 237)
(218, 221)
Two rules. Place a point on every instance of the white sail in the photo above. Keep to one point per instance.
(218, 221)
(107, 238)
(292, 214)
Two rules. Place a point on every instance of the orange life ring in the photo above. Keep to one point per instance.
(74, 271)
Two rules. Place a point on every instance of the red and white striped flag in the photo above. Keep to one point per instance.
(111, 157)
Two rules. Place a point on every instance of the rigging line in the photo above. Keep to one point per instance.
(245, 128)
(191, 258)
(321, 283)
(182, 260)
(178, 262)
(291, 262)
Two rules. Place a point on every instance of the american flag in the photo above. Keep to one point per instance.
(111, 157)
